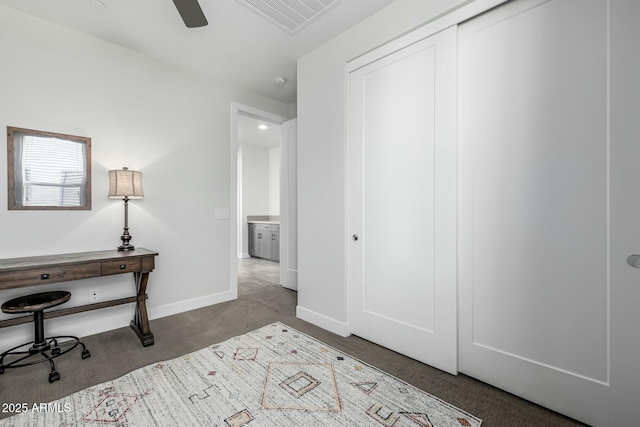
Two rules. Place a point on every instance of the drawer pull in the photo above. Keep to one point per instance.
(121, 266)
(45, 276)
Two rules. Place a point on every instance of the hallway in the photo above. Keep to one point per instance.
(256, 274)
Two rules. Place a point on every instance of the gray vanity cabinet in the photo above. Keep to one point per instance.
(266, 244)
(275, 239)
(254, 239)
(264, 241)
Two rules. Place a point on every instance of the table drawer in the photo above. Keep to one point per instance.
(148, 264)
(44, 275)
(121, 266)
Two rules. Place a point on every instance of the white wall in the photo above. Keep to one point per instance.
(255, 187)
(259, 173)
(139, 113)
(293, 110)
(274, 181)
(322, 122)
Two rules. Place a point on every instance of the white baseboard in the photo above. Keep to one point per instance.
(331, 325)
(191, 304)
(101, 321)
(243, 256)
(88, 326)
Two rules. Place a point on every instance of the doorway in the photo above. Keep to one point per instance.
(258, 204)
(255, 194)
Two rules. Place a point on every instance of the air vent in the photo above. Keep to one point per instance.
(290, 15)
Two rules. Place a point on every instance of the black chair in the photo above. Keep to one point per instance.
(43, 349)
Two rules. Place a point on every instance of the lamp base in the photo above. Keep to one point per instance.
(126, 238)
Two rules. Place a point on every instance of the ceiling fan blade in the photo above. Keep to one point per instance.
(191, 13)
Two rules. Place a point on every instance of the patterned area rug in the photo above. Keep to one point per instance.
(273, 376)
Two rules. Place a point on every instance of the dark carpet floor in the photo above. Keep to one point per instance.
(260, 303)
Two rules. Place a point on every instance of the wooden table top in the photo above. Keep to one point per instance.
(11, 264)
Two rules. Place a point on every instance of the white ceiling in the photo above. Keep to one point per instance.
(250, 134)
(237, 45)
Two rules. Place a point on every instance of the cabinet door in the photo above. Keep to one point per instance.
(253, 239)
(266, 250)
(275, 240)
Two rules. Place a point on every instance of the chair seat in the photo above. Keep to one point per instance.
(36, 302)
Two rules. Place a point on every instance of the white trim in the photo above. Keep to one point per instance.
(234, 234)
(453, 18)
(120, 318)
(190, 304)
(288, 276)
(347, 197)
(86, 327)
(608, 193)
(243, 255)
(331, 325)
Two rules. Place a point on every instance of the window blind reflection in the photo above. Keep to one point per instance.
(53, 171)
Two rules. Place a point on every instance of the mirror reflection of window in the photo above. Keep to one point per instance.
(50, 171)
(53, 171)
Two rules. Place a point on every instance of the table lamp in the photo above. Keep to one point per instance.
(125, 184)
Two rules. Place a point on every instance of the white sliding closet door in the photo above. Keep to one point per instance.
(402, 201)
(549, 206)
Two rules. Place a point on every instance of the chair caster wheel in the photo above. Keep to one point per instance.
(54, 376)
(86, 354)
(55, 351)
(1, 370)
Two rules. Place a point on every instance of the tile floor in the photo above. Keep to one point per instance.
(257, 274)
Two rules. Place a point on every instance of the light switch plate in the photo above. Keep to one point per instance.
(222, 213)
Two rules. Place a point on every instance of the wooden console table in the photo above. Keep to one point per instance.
(41, 270)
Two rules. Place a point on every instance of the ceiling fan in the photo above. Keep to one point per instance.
(191, 13)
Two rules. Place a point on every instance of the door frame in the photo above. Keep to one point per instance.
(235, 234)
(288, 276)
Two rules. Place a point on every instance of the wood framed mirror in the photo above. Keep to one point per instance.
(47, 170)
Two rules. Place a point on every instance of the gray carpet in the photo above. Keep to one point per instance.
(118, 352)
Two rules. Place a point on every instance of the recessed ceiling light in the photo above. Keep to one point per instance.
(97, 4)
(263, 127)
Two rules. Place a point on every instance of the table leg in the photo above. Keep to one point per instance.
(140, 322)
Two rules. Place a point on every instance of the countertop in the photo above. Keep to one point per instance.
(264, 222)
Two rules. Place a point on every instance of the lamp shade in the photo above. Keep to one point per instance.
(125, 183)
